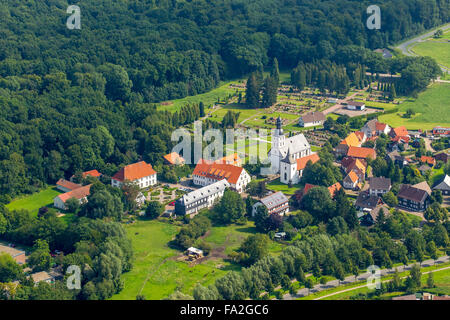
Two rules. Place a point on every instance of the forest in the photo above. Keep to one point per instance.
(73, 100)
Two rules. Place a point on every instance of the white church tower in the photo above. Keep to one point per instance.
(278, 144)
(288, 170)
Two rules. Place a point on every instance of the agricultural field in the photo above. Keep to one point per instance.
(432, 109)
(438, 49)
(157, 273)
(35, 201)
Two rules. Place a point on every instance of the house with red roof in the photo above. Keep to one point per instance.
(428, 160)
(66, 186)
(140, 173)
(90, 173)
(207, 172)
(174, 159)
(332, 189)
(351, 181)
(361, 153)
(81, 193)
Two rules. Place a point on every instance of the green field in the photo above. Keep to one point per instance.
(35, 201)
(432, 109)
(439, 49)
(276, 185)
(156, 272)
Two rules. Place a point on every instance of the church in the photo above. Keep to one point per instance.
(286, 152)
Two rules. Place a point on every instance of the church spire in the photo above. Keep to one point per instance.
(279, 126)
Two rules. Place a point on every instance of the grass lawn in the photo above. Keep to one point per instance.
(35, 201)
(432, 109)
(437, 175)
(156, 273)
(276, 185)
(438, 50)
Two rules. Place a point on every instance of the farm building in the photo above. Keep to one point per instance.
(355, 105)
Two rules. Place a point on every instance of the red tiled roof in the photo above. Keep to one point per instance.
(401, 131)
(360, 135)
(353, 177)
(218, 171)
(332, 189)
(233, 159)
(403, 139)
(429, 160)
(363, 153)
(380, 126)
(335, 187)
(92, 173)
(301, 162)
(134, 171)
(79, 193)
(67, 184)
(174, 158)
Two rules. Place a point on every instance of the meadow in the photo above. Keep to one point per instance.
(432, 109)
(156, 271)
(35, 201)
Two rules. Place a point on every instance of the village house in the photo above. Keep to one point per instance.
(311, 119)
(398, 159)
(66, 186)
(371, 217)
(386, 54)
(379, 185)
(356, 165)
(276, 203)
(81, 193)
(292, 169)
(367, 202)
(174, 159)
(441, 131)
(428, 160)
(191, 203)
(354, 139)
(90, 173)
(355, 105)
(443, 156)
(332, 189)
(351, 181)
(361, 153)
(412, 198)
(444, 185)
(206, 173)
(18, 255)
(42, 276)
(399, 132)
(140, 173)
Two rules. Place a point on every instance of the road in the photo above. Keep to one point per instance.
(363, 276)
(406, 46)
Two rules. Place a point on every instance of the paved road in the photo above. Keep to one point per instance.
(406, 46)
(363, 276)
